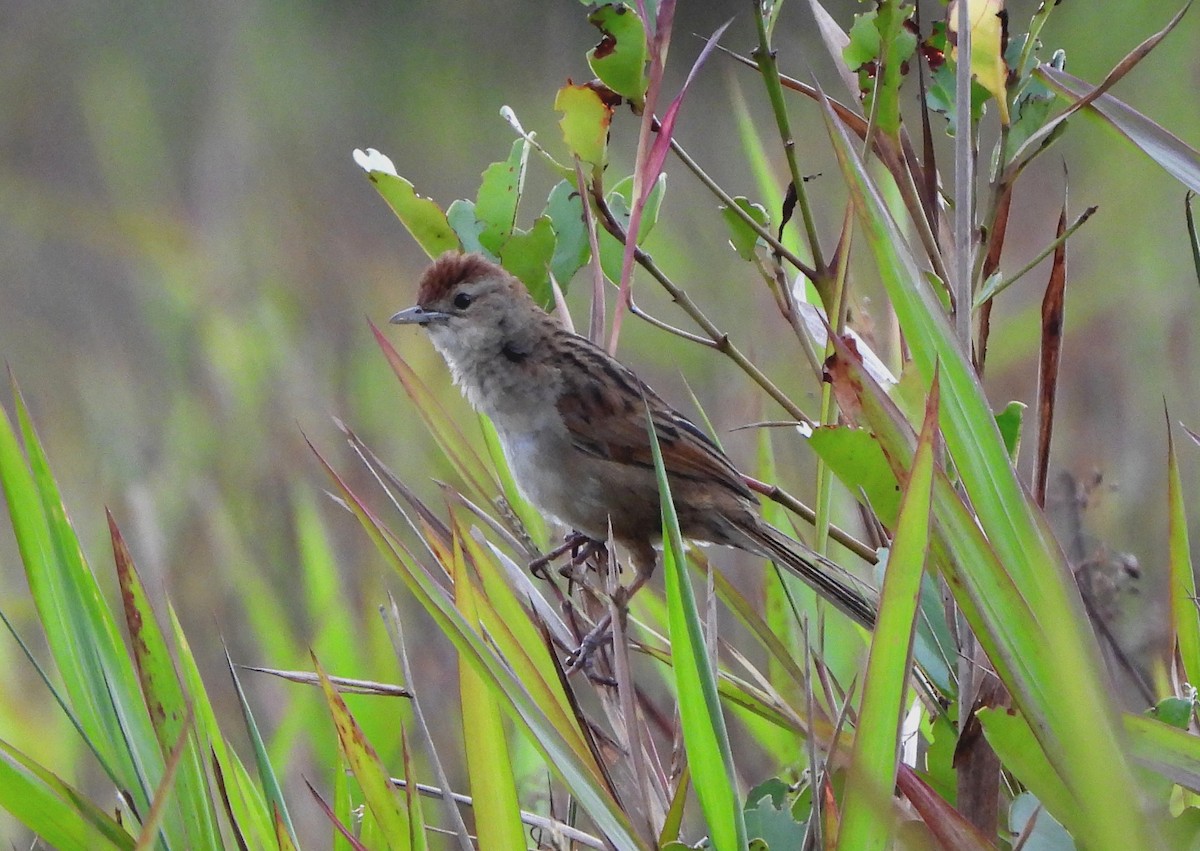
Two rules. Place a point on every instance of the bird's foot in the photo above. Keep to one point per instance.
(581, 548)
(581, 658)
(571, 542)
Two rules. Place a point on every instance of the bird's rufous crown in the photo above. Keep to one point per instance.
(448, 271)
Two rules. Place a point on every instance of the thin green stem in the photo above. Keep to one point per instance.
(767, 66)
(720, 340)
(763, 233)
(992, 292)
(808, 515)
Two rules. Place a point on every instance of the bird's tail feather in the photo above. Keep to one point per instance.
(828, 579)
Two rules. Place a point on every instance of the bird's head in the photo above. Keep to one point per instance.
(471, 307)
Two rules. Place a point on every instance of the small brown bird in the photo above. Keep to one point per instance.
(572, 422)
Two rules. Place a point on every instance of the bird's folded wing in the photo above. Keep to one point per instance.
(612, 425)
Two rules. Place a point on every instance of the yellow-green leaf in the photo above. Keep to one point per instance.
(585, 121)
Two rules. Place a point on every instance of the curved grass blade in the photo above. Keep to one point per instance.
(245, 806)
(493, 787)
(1179, 159)
(60, 815)
(566, 756)
(170, 710)
(450, 439)
(97, 674)
(867, 814)
(704, 734)
(364, 762)
(1089, 757)
(273, 792)
(1185, 619)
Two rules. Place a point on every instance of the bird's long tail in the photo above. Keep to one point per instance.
(828, 579)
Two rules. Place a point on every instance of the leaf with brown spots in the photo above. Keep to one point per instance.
(1053, 307)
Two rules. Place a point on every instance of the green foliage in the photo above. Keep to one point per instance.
(619, 60)
(650, 738)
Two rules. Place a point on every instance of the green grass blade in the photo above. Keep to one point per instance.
(867, 820)
(364, 762)
(493, 787)
(1170, 751)
(1088, 756)
(1185, 619)
(449, 437)
(245, 806)
(1179, 159)
(272, 791)
(169, 707)
(81, 632)
(704, 735)
(563, 756)
(61, 816)
(417, 838)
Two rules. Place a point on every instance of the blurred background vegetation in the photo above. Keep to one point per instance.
(188, 256)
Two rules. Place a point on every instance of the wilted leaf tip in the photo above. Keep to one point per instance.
(371, 160)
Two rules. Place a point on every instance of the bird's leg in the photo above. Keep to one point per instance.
(584, 549)
(574, 542)
(600, 633)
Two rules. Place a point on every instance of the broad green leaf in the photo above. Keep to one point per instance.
(705, 738)
(422, 217)
(741, 236)
(1044, 834)
(461, 217)
(1029, 114)
(880, 45)
(939, 94)
(619, 60)
(527, 255)
(585, 121)
(1009, 423)
(611, 251)
(855, 457)
(1176, 711)
(571, 246)
(769, 816)
(499, 196)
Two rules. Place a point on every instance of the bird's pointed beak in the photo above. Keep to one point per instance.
(417, 315)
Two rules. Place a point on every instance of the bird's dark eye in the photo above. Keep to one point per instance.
(462, 301)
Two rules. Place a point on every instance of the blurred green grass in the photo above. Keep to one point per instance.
(187, 255)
